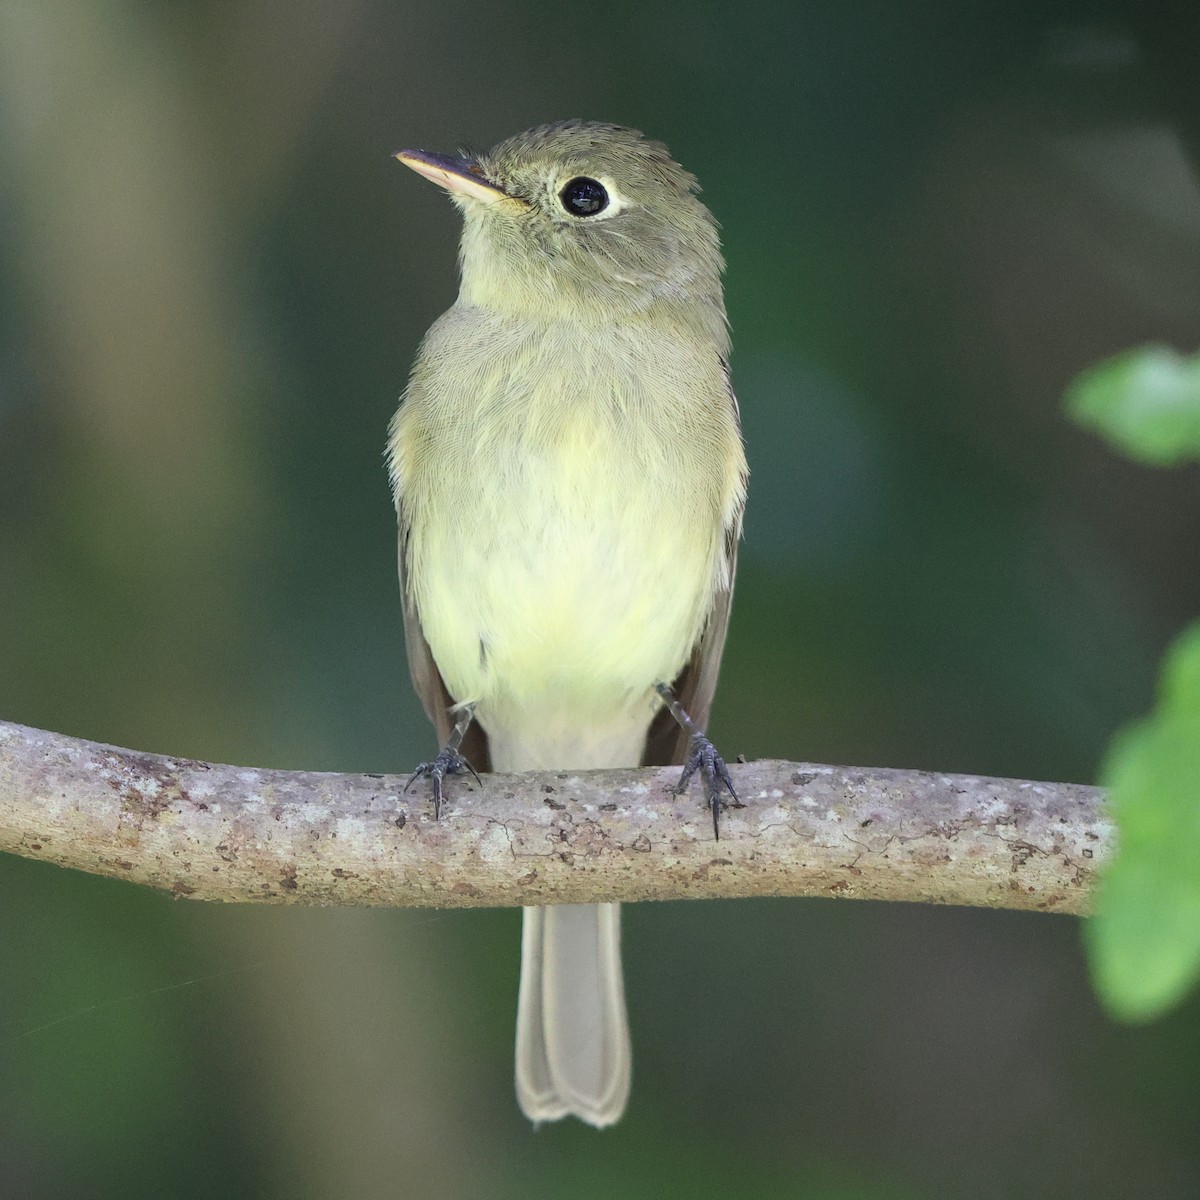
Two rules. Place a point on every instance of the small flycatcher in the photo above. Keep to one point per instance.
(569, 480)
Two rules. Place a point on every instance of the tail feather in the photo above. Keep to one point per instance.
(573, 1054)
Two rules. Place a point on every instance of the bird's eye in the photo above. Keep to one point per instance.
(583, 197)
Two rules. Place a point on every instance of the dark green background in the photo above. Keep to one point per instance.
(213, 279)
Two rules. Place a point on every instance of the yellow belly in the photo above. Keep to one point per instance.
(566, 516)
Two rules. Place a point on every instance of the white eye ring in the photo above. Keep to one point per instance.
(598, 190)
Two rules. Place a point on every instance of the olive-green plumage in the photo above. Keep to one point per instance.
(569, 481)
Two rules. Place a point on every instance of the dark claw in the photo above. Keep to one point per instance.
(703, 756)
(448, 762)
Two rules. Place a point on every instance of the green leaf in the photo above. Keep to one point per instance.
(1144, 941)
(1146, 402)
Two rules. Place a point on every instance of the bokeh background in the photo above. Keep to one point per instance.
(213, 279)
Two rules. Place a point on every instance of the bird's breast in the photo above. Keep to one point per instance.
(565, 495)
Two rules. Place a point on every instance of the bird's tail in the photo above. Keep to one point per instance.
(573, 1054)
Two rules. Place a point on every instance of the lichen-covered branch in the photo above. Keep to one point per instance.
(213, 832)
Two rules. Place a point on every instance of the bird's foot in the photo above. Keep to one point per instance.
(448, 762)
(703, 757)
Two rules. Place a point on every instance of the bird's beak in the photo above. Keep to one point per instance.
(461, 175)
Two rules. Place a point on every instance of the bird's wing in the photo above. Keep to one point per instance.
(427, 679)
(694, 686)
(666, 743)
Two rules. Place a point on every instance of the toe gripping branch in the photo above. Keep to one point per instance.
(448, 761)
(702, 757)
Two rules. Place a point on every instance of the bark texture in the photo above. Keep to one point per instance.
(212, 832)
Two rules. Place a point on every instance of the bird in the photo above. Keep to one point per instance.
(569, 477)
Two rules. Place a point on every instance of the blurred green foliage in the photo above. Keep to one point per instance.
(1145, 402)
(213, 279)
(1145, 937)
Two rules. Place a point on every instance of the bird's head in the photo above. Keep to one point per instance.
(583, 220)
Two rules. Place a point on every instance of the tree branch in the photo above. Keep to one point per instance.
(213, 832)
